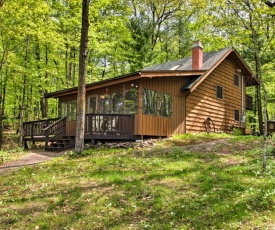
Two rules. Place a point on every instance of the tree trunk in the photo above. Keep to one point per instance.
(43, 101)
(22, 104)
(2, 105)
(262, 127)
(80, 118)
(265, 129)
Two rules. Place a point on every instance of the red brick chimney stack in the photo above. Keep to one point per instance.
(197, 55)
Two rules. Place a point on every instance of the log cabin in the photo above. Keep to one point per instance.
(202, 93)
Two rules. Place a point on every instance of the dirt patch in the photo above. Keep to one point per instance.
(208, 147)
(33, 157)
(222, 146)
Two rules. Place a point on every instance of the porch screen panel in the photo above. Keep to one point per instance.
(92, 104)
(67, 109)
(105, 104)
(131, 99)
(149, 102)
(62, 110)
(117, 102)
(71, 110)
(165, 101)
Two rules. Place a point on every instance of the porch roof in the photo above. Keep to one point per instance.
(126, 78)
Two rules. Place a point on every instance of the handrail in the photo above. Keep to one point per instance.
(35, 128)
(54, 130)
(52, 125)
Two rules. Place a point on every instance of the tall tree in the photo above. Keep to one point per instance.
(80, 118)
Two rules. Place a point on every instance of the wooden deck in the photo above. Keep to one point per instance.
(97, 127)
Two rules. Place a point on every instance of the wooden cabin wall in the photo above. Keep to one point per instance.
(203, 103)
(67, 98)
(152, 125)
(148, 125)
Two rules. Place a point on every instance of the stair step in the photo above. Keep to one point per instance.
(61, 143)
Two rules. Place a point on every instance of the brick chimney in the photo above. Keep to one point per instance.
(197, 55)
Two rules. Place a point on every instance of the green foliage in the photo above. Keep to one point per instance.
(124, 36)
(237, 132)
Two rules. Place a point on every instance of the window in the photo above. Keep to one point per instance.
(219, 92)
(92, 104)
(62, 109)
(68, 109)
(149, 102)
(237, 115)
(165, 102)
(71, 110)
(117, 102)
(155, 103)
(236, 80)
(131, 101)
(104, 104)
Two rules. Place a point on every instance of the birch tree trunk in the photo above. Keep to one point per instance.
(80, 118)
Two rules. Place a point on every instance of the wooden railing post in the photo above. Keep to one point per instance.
(64, 126)
(32, 130)
(46, 131)
(132, 126)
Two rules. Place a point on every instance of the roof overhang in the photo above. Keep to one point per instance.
(125, 78)
(95, 85)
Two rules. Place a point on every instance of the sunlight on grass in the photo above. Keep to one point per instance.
(169, 186)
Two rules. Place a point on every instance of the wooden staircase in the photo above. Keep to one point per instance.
(61, 143)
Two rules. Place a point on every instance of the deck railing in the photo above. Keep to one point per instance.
(109, 126)
(97, 126)
(34, 129)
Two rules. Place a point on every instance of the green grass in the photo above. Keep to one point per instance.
(170, 186)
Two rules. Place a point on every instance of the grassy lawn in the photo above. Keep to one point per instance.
(187, 182)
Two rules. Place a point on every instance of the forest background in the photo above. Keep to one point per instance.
(39, 46)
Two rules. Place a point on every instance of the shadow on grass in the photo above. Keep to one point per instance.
(170, 190)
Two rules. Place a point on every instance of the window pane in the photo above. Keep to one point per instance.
(149, 102)
(236, 80)
(165, 105)
(71, 110)
(62, 110)
(104, 103)
(131, 101)
(68, 109)
(92, 104)
(117, 102)
(237, 115)
(219, 92)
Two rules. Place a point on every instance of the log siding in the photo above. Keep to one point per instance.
(203, 102)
